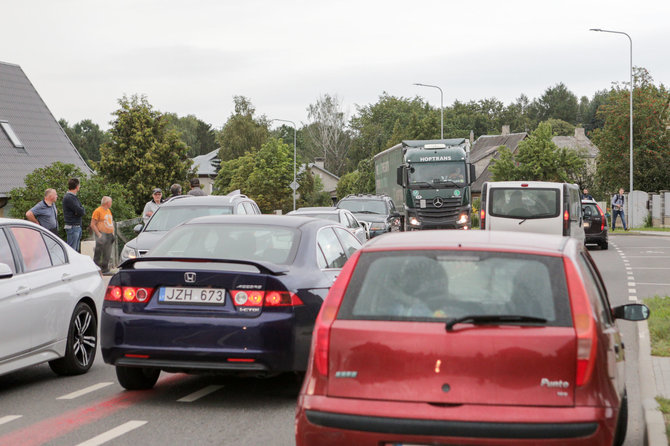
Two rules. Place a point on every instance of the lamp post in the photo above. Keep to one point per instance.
(631, 98)
(441, 107)
(294, 184)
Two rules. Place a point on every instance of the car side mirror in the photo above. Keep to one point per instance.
(5, 271)
(473, 175)
(400, 176)
(138, 228)
(631, 312)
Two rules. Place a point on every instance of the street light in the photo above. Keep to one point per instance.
(631, 98)
(294, 185)
(441, 107)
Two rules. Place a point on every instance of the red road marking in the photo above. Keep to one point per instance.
(52, 428)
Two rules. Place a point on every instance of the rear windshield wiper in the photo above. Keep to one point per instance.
(492, 319)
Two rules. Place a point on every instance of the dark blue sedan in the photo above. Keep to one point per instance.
(229, 294)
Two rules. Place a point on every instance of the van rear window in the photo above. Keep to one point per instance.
(516, 202)
(439, 285)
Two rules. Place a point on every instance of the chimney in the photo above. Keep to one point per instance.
(320, 162)
(505, 130)
(472, 137)
(579, 133)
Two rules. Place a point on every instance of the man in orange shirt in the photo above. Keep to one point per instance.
(102, 225)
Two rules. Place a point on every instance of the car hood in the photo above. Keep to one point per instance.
(370, 218)
(146, 240)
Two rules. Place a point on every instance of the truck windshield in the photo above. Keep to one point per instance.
(437, 173)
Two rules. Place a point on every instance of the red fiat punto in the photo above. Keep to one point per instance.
(464, 338)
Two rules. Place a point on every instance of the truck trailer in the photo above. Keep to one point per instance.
(429, 180)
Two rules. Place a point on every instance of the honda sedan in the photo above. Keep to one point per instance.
(228, 294)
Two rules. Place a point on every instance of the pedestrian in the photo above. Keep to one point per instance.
(586, 195)
(102, 224)
(45, 213)
(73, 211)
(195, 188)
(175, 190)
(151, 206)
(617, 209)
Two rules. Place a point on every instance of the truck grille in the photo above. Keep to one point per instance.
(449, 211)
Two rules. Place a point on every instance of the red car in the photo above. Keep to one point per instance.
(466, 338)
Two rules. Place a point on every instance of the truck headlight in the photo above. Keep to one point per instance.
(463, 219)
(414, 221)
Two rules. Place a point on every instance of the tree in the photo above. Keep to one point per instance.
(328, 133)
(360, 181)
(242, 132)
(87, 137)
(144, 152)
(55, 176)
(560, 127)
(557, 102)
(538, 159)
(311, 191)
(195, 133)
(264, 175)
(651, 142)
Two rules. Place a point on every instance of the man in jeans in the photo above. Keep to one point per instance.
(73, 211)
(617, 209)
(102, 224)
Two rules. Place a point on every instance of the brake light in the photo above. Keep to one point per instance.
(128, 294)
(584, 324)
(566, 221)
(326, 317)
(257, 298)
(482, 219)
(602, 219)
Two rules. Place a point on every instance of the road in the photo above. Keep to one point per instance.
(39, 408)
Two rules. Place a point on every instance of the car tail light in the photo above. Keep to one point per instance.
(566, 221)
(327, 315)
(602, 219)
(258, 298)
(482, 219)
(584, 323)
(128, 294)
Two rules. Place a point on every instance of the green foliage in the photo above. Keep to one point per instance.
(264, 175)
(651, 139)
(311, 191)
(87, 137)
(195, 133)
(242, 132)
(659, 324)
(538, 159)
(360, 181)
(91, 192)
(560, 127)
(557, 102)
(476, 207)
(144, 152)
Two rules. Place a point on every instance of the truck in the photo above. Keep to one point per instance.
(429, 181)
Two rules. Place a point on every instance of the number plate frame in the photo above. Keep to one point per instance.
(191, 296)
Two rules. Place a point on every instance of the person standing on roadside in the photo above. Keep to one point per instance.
(45, 213)
(175, 190)
(102, 224)
(152, 206)
(617, 209)
(195, 188)
(73, 211)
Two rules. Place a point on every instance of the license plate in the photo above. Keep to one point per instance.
(587, 224)
(182, 295)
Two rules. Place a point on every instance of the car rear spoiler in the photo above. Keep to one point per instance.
(264, 267)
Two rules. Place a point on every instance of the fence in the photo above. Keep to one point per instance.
(639, 206)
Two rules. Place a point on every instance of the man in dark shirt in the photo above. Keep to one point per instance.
(73, 211)
(44, 213)
(195, 188)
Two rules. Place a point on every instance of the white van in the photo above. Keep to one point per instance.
(532, 206)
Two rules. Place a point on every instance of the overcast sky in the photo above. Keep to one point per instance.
(192, 57)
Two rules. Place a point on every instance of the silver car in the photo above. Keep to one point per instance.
(342, 216)
(50, 301)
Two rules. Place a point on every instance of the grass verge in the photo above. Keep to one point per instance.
(665, 409)
(659, 325)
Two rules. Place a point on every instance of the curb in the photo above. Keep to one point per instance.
(653, 418)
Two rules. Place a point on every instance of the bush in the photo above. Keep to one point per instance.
(659, 325)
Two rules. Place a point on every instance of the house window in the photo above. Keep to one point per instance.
(11, 135)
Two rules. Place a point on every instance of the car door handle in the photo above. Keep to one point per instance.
(334, 278)
(617, 348)
(22, 290)
(66, 277)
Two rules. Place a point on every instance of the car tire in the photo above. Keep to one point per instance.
(137, 378)
(82, 342)
(604, 245)
(622, 422)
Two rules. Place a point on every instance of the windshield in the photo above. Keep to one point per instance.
(230, 241)
(364, 206)
(167, 218)
(445, 285)
(435, 173)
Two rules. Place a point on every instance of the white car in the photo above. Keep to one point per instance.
(50, 301)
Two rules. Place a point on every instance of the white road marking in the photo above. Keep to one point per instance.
(78, 393)
(650, 267)
(632, 298)
(650, 257)
(628, 267)
(199, 394)
(653, 283)
(631, 283)
(631, 291)
(9, 418)
(113, 433)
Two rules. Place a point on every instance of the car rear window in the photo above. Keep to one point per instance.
(518, 202)
(168, 217)
(364, 206)
(425, 285)
(273, 244)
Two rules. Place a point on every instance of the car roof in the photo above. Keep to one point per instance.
(316, 210)
(206, 200)
(366, 197)
(13, 221)
(270, 220)
(537, 184)
(487, 240)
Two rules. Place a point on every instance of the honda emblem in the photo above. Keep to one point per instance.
(189, 277)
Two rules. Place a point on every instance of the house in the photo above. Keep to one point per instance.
(30, 136)
(206, 167)
(582, 144)
(328, 178)
(485, 149)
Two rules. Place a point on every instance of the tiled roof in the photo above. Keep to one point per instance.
(207, 164)
(485, 148)
(44, 140)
